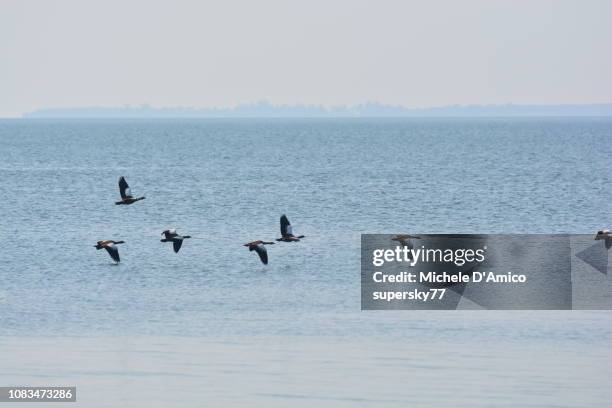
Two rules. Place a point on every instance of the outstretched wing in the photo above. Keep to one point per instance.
(406, 242)
(177, 245)
(113, 252)
(124, 188)
(285, 226)
(263, 253)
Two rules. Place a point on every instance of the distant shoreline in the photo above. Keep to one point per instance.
(367, 110)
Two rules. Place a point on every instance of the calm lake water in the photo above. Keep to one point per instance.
(212, 326)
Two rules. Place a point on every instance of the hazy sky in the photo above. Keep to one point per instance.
(65, 53)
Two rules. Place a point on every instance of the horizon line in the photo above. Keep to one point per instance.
(264, 109)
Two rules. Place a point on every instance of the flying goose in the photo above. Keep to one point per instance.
(176, 239)
(110, 247)
(126, 193)
(606, 236)
(287, 231)
(258, 246)
(404, 240)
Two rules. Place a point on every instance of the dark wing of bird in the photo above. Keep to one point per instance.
(285, 226)
(177, 245)
(124, 188)
(113, 252)
(407, 242)
(263, 253)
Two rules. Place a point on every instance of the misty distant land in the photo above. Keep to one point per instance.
(365, 110)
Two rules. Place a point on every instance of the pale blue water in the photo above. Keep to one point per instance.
(226, 182)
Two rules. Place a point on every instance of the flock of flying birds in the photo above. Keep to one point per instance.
(171, 235)
(259, 246)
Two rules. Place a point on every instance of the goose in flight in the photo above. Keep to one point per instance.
(110, 247)
(606, 236)
(170, 235)
(287, 231)
(404, 240)
(126, 193)
(259, 247)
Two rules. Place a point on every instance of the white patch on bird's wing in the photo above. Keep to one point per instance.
(289, 230)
